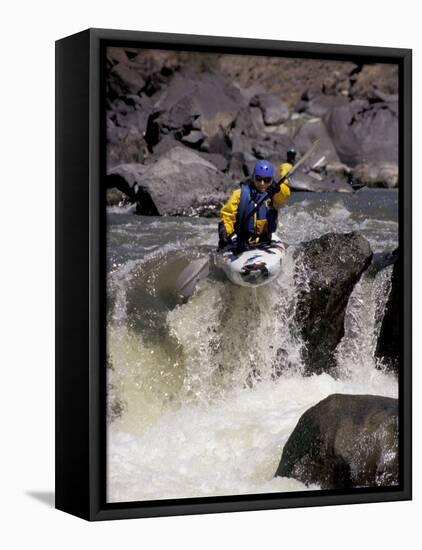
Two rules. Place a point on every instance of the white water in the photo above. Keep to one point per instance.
(205, 410)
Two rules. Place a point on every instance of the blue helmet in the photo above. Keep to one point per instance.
(264, 168)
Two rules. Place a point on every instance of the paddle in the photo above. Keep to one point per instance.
(289, 173)
(194, 272)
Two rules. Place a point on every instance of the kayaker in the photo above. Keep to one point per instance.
(290, 160)
(235, 228)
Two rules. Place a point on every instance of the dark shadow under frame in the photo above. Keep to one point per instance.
(81, 274)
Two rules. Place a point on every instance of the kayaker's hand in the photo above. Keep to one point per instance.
(273, 189)
(225, 240)
(233, 240)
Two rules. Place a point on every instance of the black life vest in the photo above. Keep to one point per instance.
(249, 197)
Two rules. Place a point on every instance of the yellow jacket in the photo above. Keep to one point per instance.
(229, 211)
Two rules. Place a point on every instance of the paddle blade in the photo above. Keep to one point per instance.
(194, 272)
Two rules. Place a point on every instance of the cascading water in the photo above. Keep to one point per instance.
(203, 395)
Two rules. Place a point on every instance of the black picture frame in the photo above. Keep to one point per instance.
(80, 274)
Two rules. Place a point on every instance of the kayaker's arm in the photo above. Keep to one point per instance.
(284, 170)
(229, 212)
(280, 197)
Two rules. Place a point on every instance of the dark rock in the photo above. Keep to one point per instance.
(332, 265)
(218, 144)
(321, 104)
(124, 78)
(116, 55)
(180, 182)
(241, 165)
(206, 96)
(194, 138)
(272, 147)
(389, 340)
(134, 119)
(124, 145)
(249, 123)
(364, 133)
(345, 441)
(220, 162)
(274, 110)
(164, 146)
(126, 178)
(249, 93)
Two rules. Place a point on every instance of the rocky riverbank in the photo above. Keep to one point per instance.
(184, 129)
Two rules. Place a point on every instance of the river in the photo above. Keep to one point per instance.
(196, 403)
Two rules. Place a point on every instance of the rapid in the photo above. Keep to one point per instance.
(204, 393)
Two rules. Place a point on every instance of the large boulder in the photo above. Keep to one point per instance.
(389, 340)
(345, 441)
(311, 130)
(194, 101)
(331, 266)
(363, 132)
(181, 182)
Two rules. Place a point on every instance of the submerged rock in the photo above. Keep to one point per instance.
(332, 265)
(345, 441)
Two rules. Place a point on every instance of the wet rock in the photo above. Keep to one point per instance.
(389, 340)
(115, 197)
(332, 265)
(382, 174)
(126, 178)
(345, 441)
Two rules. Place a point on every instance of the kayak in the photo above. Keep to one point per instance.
(258, 265)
